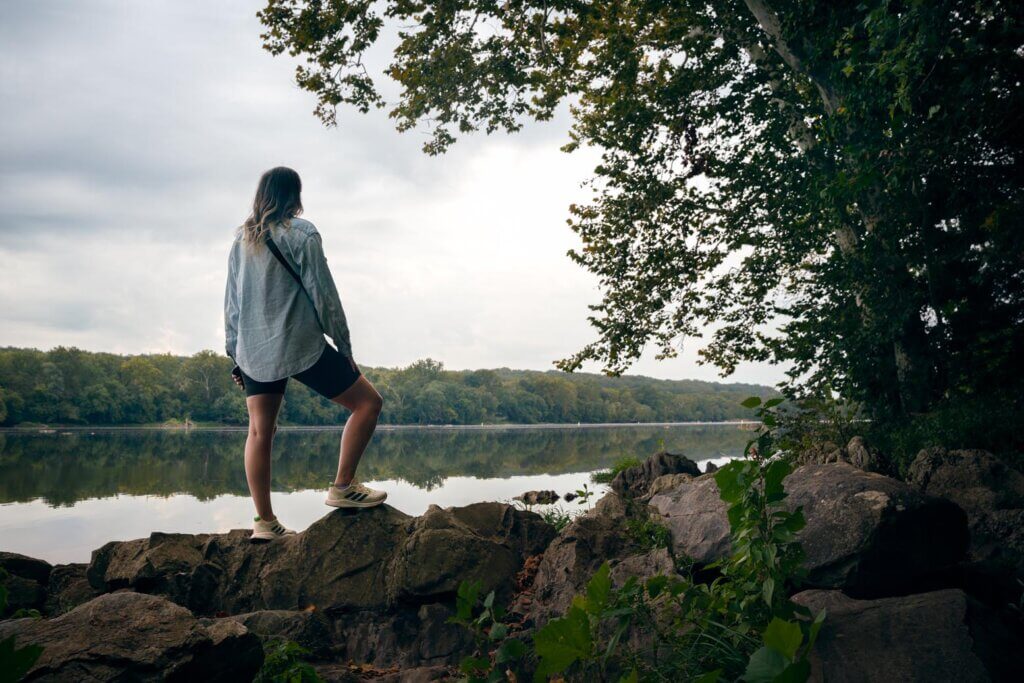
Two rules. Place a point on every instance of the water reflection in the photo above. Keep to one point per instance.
(64, 468)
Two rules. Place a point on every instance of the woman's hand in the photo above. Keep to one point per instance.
(236, 374)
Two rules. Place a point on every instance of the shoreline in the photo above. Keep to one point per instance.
(382, 427)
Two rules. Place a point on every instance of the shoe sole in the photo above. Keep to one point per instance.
(352, 504)
(265, 536)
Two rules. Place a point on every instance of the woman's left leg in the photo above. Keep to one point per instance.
(263, 410)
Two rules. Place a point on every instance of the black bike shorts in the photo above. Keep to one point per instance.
(331, 375)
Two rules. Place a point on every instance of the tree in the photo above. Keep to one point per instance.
(831, 185)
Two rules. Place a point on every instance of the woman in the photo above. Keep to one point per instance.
(279, 301)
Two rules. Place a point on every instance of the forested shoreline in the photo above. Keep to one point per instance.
(69, 386)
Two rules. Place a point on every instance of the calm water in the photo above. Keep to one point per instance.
(63, 495)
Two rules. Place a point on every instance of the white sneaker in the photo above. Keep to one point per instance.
(355, 495)
(263, 530)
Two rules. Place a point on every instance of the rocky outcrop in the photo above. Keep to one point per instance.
(856, 453)
(68, 588)
(130, 636)
(308, 628)
(25, 579)
(634, 482)
(370, 560)
(937, 637)
(866, 533)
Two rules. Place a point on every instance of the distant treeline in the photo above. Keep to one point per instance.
(71, 386)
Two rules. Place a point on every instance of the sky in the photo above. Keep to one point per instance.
(131, 139)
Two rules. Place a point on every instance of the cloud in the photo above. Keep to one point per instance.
(132, 138)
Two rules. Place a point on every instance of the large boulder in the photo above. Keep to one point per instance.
(866, 533)
(936, 637)
(634, 482)
(484, 542)
(857, 453)
(366, 560)
(131, 636)
(68, 588)
(25, 579)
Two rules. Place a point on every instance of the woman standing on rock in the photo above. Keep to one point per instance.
(279, 301)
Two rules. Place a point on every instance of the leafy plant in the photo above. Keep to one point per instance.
(557, 517)
(606, 476)
(284, 662)
(15, 661)
(496, 652)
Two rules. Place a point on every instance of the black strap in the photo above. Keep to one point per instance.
(284, 262)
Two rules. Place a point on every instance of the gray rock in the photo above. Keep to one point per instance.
(68, 588)
(365, 560)
(538, 497)
(131, 636)
(26, 567)
(975, 480)
(710, 467)
(634, 482)
(667, 482)
(309, 628)
(857, 453)
(942, 636)
(406, 638)
(866, 533)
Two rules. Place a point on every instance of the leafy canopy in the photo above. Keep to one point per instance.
(831, 185)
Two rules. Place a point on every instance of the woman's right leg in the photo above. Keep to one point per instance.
(263, 410)
(365, 403)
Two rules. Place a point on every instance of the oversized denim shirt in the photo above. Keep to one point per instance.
(272, 328)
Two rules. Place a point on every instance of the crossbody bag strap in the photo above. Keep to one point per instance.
(284, 262)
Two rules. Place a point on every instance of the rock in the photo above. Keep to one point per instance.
(857, 453)
(365, 560)
(695, 514)
(538, 497)
(131, 636)
(25, 581)
(26, 567)
(485, 542)
(406, 638)
(68, 588)
(977, 481)
(573, 557)
(866, 533)
(642, 567)
(633, 482)
(938, 636)
(309, 628)
(667, 482)
(861, 456)
(710, 467)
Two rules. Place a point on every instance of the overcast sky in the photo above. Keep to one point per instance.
(133, 134)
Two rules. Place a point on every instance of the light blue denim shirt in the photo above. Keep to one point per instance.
(272, 329)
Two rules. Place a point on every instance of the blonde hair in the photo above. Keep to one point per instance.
(278, 199)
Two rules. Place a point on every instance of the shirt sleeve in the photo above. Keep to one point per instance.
(231, 308)
(316, 278)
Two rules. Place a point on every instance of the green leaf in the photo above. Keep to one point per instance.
(598, 589)
(511, 650)
(772, 402)
(465, 599)
(656, 584)
(765, 665)
(472, 665)
(631, 678)
(17, 661)
(812, 635)
(499, 631)
(751, 402)
(561, 642)
(783, 636)
(768, 590)
(797, 672)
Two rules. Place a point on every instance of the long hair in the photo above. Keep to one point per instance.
(278, 198)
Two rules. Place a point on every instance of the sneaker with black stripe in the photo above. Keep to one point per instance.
(262, 530)
(355, 495)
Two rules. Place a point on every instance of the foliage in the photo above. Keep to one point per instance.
(496, 651)
(815, 422)
(834, 186)
(15, 661)
(557, 517)
(283, 662)
(606, 476)
(71, 386)
(648, 534)
(740, 626)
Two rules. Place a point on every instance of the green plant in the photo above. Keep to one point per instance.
(606, 476)
(15, 661)
(283, 662)
(557, 517)
(583, 495)
(496, 652)
(647, 533)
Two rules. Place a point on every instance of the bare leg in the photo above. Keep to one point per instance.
(263, 409)
(365, 403)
